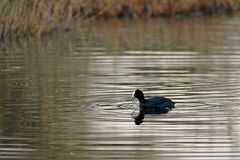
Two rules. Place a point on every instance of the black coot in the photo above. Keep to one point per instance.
(153, 105)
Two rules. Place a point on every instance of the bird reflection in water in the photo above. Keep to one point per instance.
(139, 118)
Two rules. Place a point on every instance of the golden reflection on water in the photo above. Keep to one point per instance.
(68, 97)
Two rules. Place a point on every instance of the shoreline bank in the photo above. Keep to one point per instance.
(35, 18)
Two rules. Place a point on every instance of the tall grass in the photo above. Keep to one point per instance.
(33, 17)
(19, 18)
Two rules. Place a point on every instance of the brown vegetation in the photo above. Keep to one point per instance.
(155, 8)
(20, 18)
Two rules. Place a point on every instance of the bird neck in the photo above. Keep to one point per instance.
(141, 100)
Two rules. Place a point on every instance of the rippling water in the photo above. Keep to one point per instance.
(68, 98)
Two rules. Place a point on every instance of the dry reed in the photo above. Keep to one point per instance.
(19, 18)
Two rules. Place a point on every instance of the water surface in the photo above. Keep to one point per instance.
(68, 97)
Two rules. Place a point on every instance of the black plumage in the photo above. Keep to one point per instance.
(153, 105)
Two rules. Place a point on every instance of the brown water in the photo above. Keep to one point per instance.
(68, 97)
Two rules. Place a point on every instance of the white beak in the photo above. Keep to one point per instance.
(132, 96)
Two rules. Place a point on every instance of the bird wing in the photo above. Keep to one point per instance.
(160, 102)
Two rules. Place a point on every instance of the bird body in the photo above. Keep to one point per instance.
(153, 105)
(157, 105)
